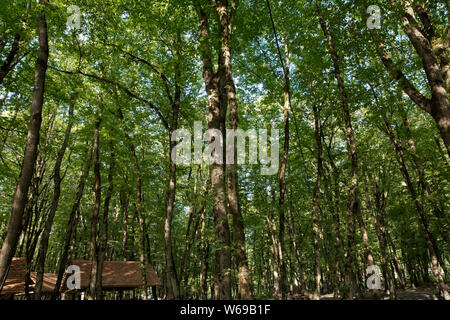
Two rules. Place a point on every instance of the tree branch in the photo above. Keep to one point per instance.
(121, 87)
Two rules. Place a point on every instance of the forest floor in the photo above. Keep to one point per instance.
(418, 293)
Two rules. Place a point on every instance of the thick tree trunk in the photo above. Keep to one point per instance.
(433, 52)
(232, 176)
(216, 120)
(29, 159)
(54, 206)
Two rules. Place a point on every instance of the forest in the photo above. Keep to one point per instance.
(237, 149)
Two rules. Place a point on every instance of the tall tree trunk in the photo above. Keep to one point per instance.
(138, 205)
(204, 249)
(298, 257)
(216, 120)
(334, 208)
(190, 239)
(232, 176)
(174, 292)
(425, 185)
(124, 207)
(30, 154)
(380, 228)
(433, 249)
(104, 241)
(394, 257)
(54, 206)
(171, 188)
(285, 65)
(72, 224)
(316, 209)
(353, 201)
(94, 280)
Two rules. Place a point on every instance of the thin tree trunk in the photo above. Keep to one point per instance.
(287, 106)
(8, 65)
(72, 225)
(316, 192)
(190, 240)
(380, 228)
(438, 212)
(124, 207)
(433, 250)
(171, 189)
(138, 205)
(104, 241)
(204, 249)
(353, 201)
(295, 247)
(54, 206)
(94, 281)
(334, 208)
(174, 292)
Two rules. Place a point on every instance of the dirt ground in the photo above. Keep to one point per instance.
(419, 293)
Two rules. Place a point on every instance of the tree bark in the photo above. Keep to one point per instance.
(72, 225)
(54, 206)
(226, 22)
(316, 192)
(435, 60)
(104, 241)
(433, 249)
(94, 281)
(8, 63)
(353, 201)
(216, 120)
